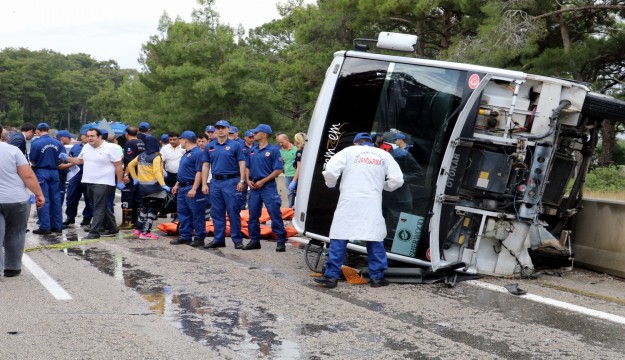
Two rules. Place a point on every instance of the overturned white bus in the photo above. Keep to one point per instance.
(495, 163)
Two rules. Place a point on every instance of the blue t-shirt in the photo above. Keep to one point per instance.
(190, 165)
(18, 140)
(44, 152)
(263, 162)
(75, 151)
(224, 158)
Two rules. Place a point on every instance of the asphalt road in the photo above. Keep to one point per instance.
(141, 299)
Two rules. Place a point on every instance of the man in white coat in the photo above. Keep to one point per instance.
(366, 171)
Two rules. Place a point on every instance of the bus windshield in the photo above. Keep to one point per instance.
(411, 109)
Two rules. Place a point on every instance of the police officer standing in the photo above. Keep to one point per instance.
(144, 130)
(233, 134)
(248, 143)
(210, 132)
(131, 199)
(65, 137)
(44, 155)
(191, 204)
(225, 159)
(263, 166)
(76, 189)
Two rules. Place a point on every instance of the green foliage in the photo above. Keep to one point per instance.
(197, 72)
(607, 179)
(12, 116)
(47, 86)
(618, 156)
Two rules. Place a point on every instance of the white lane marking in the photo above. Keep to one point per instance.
(46, 280)
(553, 302)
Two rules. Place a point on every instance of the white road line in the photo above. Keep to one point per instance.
(48, 282)
(553, 302)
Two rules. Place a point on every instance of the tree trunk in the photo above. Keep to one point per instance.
(445, 29)
(566, 44)
(608, 141)
(420, 43)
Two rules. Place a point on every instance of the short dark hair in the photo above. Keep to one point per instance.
(173, 134)
(27, 127)
(202, 136)
(97, 131)
(132, 131)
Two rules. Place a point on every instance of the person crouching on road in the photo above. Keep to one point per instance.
(264, 165)
(191, 204)
(146, 170)
(365, 171)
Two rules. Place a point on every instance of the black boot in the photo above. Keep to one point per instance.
(68, 222)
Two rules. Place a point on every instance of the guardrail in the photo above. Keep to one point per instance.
(599, 236)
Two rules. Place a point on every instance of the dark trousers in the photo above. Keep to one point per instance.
(13, 221)
(171, 179)
(191, 214)
(75, 190)
(62, 185)
(103, 217)
(224, 199)
(269, 196)
(132, 200)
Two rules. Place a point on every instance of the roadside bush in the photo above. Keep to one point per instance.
(606, 179)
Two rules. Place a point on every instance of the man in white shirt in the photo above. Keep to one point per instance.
(102, 165)
(171, 154)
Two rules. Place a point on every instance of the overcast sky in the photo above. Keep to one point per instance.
(111, 29)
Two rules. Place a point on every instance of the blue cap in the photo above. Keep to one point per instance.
(263, 128)
(188, 134)
(361, 136)
(105, 133)
(43, 126)
(144, 126)
(399, 136)
(84, 131)
(223, 123)
(64, 133)
(234, 129)
(249, 133)
(210, 128)
(164, 137)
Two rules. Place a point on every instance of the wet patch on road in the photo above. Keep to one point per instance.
(213, 324)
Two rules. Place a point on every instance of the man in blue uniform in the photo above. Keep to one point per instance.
(233, 134)
(65, 137)
(144, 130)
(44, 155)
(191, 203)
(210, 132)
(248, 143)
(27, 131)
(131, 199)
(263, 167)
(76, 189)
(225, 159)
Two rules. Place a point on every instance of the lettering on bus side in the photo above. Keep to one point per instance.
(334, 137)
(453, 169)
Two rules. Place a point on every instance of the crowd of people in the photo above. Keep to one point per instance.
(213, 175)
